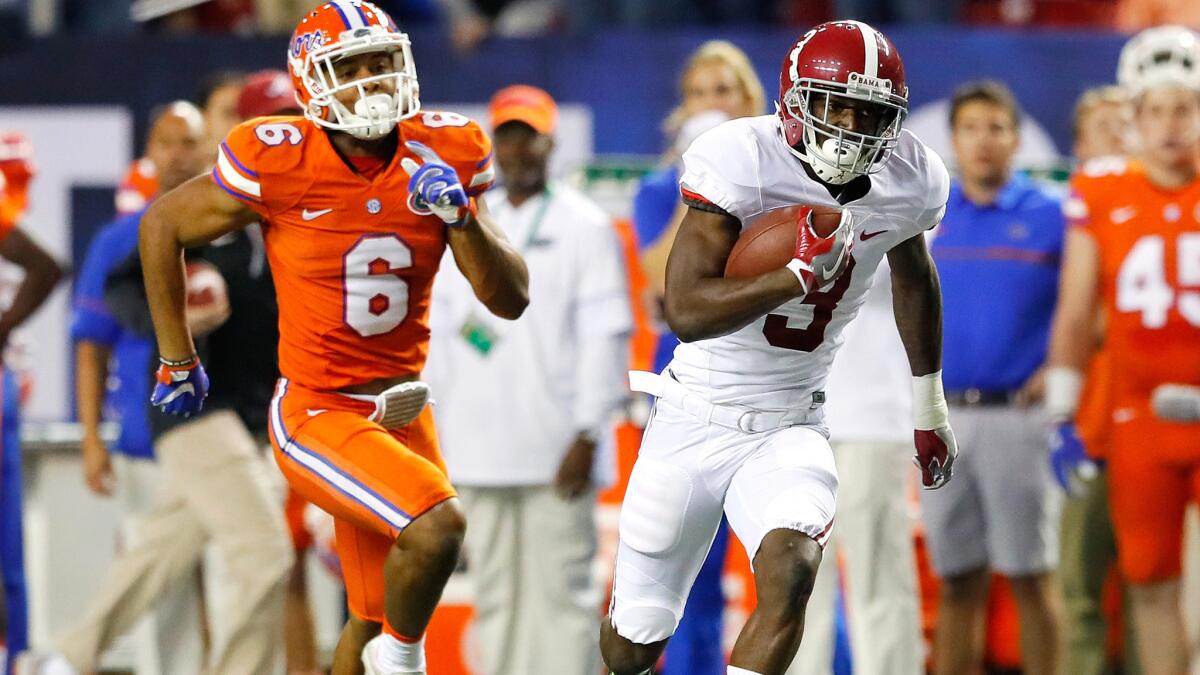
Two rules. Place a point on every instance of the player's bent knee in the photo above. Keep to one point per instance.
(644, 624)
(786, 568)
(437, 533)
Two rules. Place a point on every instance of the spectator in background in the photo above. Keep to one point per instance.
(248, 342)
(214, 488)
(1131, 252)
(1103, 126)
(997, 252)
(42, 273)
(1135, 15)
(217, 96)
(869, 412)
(718, 83)
(132, 475)
(527, 467)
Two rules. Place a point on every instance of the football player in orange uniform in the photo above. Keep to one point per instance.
(358, 200)
(1134, 249)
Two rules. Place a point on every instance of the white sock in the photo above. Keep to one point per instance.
(734, 670)
(397, 656)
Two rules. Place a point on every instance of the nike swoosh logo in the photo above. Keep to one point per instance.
(314, 413)
(188, 388)
(313, 215)
(868, 235)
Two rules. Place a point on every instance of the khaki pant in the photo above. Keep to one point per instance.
(874, 533)
(530, 557)
(1089, 552)
(168, 641)
(215, 490)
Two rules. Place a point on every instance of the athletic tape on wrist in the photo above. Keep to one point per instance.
(929, 402)
(1064, 385)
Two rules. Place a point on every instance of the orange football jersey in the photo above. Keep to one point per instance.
(1149, 245)
(353, 261)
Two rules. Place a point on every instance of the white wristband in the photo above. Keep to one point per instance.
(1063, 388)
(797, 266)
(929, 402)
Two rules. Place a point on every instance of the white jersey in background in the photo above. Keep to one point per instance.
(780, 360)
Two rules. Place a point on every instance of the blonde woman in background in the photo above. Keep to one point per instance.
(718, 83)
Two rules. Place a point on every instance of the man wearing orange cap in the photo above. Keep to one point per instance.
(527, 467)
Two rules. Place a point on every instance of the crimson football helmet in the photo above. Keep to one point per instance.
(835, 66)
(344, 28)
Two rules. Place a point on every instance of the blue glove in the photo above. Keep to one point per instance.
(180, 388)
(434, 186)
(1072, 467)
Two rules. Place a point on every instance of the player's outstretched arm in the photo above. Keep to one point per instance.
(700, 302)
(497, 272)
(917, 303)
(192, 214)
(1072, 334)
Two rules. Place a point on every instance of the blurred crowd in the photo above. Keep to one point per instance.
(469, 22)
(995, 384)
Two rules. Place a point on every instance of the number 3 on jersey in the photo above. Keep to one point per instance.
(1142, 280)
(375, 296)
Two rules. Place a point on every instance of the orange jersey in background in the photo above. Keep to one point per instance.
(1148, 242)
(353, 265)
(138, 187)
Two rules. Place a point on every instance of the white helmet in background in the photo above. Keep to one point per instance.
(1160, 56)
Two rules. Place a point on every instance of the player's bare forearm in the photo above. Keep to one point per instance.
(91, 372)
(917, 304)
(700, 302)
(42, 274)
(193, 214)
(495, 269)
(1073, 332)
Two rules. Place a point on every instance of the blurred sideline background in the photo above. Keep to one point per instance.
(80, 79)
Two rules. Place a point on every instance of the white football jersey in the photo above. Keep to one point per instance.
(779, 360)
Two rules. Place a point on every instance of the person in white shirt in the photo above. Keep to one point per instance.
(524, 408)
(868, 410)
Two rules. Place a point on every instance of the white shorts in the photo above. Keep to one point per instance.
(687, 473)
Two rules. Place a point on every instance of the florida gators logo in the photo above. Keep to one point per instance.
(307, 42)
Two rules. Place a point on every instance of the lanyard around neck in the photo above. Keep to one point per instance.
(536, 226)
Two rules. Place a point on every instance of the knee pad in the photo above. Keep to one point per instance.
(644, 624)
(655, 504)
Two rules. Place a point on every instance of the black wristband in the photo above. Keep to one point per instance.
(189, 361)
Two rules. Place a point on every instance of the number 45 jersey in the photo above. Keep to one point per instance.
(746, 168)
(353, 261)
(1148, 240)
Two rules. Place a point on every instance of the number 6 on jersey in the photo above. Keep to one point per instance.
(376, 297)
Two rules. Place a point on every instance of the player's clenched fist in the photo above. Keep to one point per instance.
(936, 447)
(180, 387)
(434, 185)
(821, 256)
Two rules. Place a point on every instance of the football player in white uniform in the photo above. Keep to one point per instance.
(738, 424)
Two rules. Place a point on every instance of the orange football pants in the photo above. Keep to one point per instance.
(374, 482)
(1153, 471)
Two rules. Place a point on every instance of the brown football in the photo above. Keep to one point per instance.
(769, 241)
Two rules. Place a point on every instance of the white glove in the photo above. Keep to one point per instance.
(434, 186)
(1176, 402)
(398, 406)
